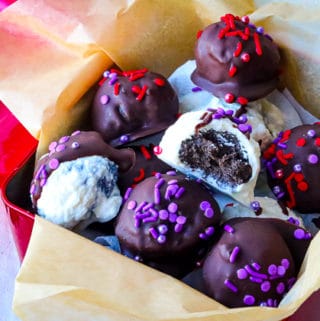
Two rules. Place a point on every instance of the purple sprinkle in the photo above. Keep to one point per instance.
(75, 145)
(229, 112)
(53, 163)
(172, 207)
(299, 234)
(209, 213)
(203, 236)
(243, 119)
(234, 253)
(313, 159)
(281, 271)
(311, 133)
(249, 299)
(196, 89)
(256, 266)
(154, 212)
(209, 230)
(43, 182)
(178, 228)
(228, 228)
(113, 81)
(242, 274)
(172, 181)
(279, 196)
(52, 146)
(268, 36)
(285, 263)
(124, 138)
(161, 239)
(147, 207)
(157, 196)
(230, 285)
(260, 30)
(163, 229)
(159, 183)
(255, 273)
(270, 303)
(127, 193)
(181, 219)
(40, 170)
(217, 116)
(158, 175)
(297, 168)
(276, 190)
(204, 205)
(243, 128)
(172, 217)
(33, 189)
(64, 139)
(280, 288)
(106, 74)
(308, 236)
(137, 223)
(265, 286)
(104, 99)
(75, 133)
(282, 145)
(163, 214)
(171, 173)
(154, 233)
(255, 280)
(149, 219)
(179, 193)
(291, 220)
(291, 282)
(60, 148)
(255, 205)
(137, 258)
(131, 205)
(263, 304)
(272, 269)
(141, 216)
(140, 207)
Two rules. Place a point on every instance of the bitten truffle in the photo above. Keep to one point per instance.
(255, 262)
(236, 61)
(293, 168)
(76, 181)
(167, 222)
(132, 104)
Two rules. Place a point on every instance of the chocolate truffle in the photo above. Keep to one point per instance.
(216, 147)
(146, 164)
(132, 104)
(76, 181)
(236, 61)
(293, 167)
(255, 262)
(167, 222)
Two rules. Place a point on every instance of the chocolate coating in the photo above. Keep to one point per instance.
(134, 104)
(235, 58)
(293, 168)
(177, 230)
(255, 262)
(68, 148)
(146, 164)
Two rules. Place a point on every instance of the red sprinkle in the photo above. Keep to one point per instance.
(317, 142)
(159, 81)
(245, 57)
(232, 71)
(157, 150)
(140, 177)
(229, 98)
(257, 43)
(282, 158)
(199, 33)
(101, 82)
(238, 50)
(142, 93)
(285, 136)
(269, 152)
(303, 186)
(116, 88)
(242, 100)
(145, 152)
(300, 142)
(136, 76)
(136, 89)
(298, 177)
(116, 71)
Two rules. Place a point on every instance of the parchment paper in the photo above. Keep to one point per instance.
(52, 53)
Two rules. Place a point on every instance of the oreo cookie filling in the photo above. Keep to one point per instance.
(218, 154)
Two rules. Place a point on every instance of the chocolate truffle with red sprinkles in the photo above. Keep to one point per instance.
(145, 164)
(293, 167)
(132, 104)
(236, 61)
(255, 262)
(167, 222)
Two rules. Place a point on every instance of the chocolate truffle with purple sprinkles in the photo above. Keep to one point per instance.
(133, 104)
(236, 61)
(293, 168)
(76, 181)
(255, 262)
(167, 222)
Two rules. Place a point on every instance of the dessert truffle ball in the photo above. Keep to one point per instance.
(167, 222)
(293, 168)
(255, 262)
(75, 183)
(216, 147)
(146, 164)
(236, 61)
(132, 104)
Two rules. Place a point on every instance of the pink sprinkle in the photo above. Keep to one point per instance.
(39, 172)
(64, 139)
(32, 189)
(52, 146)
(234, 253)
(104, 99)
(60, 148)
(75, 133)
(43, 182)
(54, 163)
(132, 205)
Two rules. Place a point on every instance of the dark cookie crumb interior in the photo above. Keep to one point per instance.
(218, 154)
